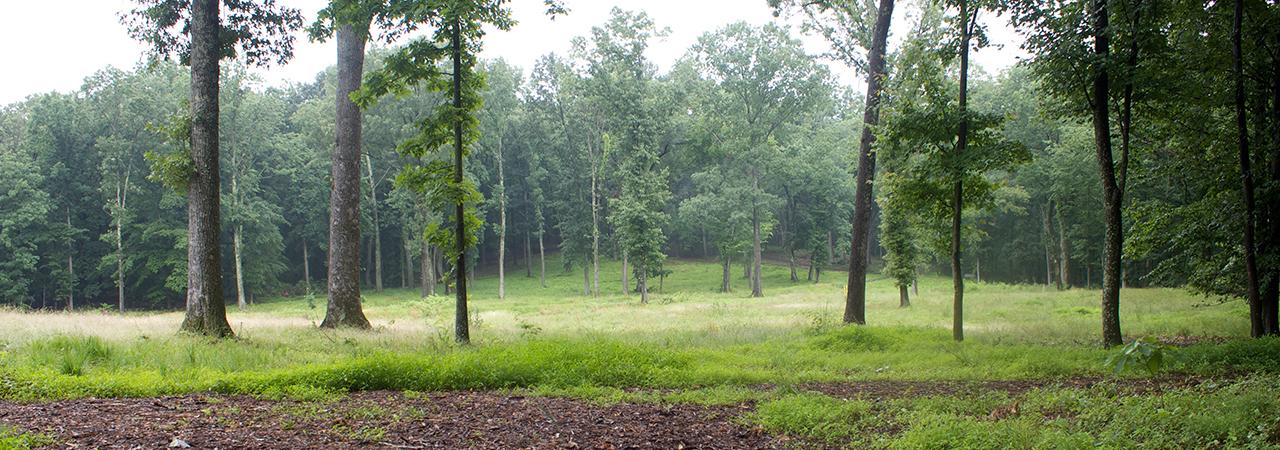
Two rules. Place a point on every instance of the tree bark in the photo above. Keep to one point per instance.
(757, 287)
(502, 226)
(344, 309)
(1048, 245)
(957, 193)
(377, 225)
(724, 280)
(1064, 252)
(1257, 323)
(1111, 193)
(626, 285)
(903, 300)
(306, 266)
(855, 310)
(236, 240)
(206, 311)
(542, 259)
(461, 321)
(528, 255)
(122, 195)
(71, 268)
(643, 286)
(595, 230)
(428, 277)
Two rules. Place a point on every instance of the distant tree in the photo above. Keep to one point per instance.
(763, 80)
(194, 31)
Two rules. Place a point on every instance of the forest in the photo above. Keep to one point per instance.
(739, 249)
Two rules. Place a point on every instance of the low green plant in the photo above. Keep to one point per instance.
(15, 439)
(1147, 353)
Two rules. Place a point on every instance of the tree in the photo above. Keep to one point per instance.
(456, 33)
(24, 211)
(496, 116)
(842, 23)
(763, 80)
(194, 31)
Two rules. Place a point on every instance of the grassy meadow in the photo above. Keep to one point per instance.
(692, 344)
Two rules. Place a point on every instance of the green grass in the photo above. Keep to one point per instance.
(14, 439)
(694, 345)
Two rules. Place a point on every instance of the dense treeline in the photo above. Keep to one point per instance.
(742, 152)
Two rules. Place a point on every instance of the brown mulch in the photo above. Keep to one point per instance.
(384, 420)
(488, 420)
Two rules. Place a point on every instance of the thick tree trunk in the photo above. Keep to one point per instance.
(957, 193)
(1111, 193)
(903, 300)
(855, 309)
(236, 241)
(206, 311)
(461, 321)
(344, 309)
(1257, 322)
(791, 263)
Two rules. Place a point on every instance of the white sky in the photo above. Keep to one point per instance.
(54, 44)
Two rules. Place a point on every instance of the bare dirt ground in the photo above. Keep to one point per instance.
(480, 420)
(383, 420)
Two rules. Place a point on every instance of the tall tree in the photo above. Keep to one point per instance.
(194, 31)
(842, 23)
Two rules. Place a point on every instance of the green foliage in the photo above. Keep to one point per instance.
(1146, 353)
(812, 416)
(15, 439)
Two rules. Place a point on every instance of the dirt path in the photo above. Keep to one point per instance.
(384, 420)
(481, 420)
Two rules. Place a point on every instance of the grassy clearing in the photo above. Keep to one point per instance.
(693, 345)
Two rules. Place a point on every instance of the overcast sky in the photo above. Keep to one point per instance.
(52, 45)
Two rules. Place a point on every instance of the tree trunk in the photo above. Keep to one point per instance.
(528, 255)
(206, 311)
(71, 268)
(502, 227)
(306, 267)
(1064, 253)
(377, 225)
(757, 288)
(461, 321)
(1111, 193)
(644, 287)
(1256, 321)
(428, 276)
(705, 252)
(791, 262)
(122, 193)
(344, 309)
(542, 260)
(236, 241)
(595, 232)
(1048, 246)
(626, 285)
(724, 280)
(855, 309)
(903, 300)
(957, 193)
(915, 285)
(406, 268)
